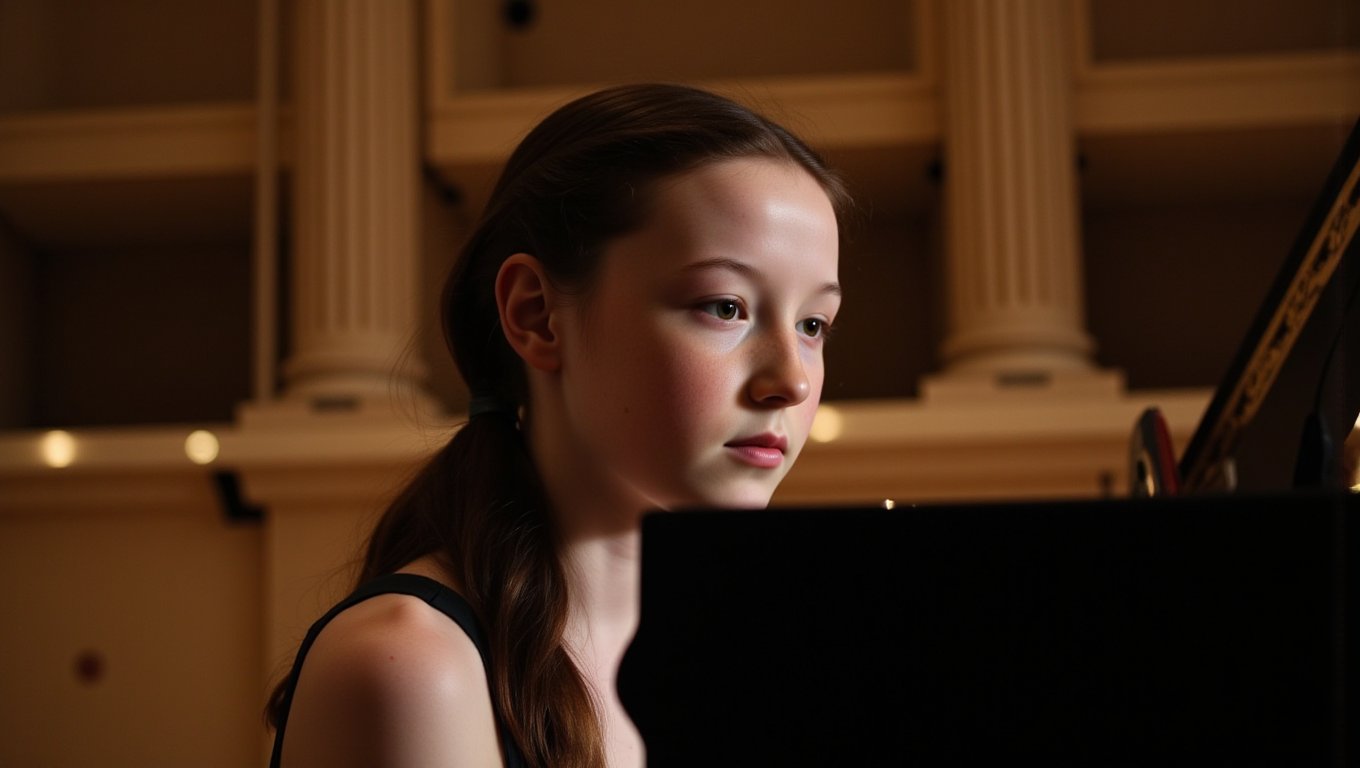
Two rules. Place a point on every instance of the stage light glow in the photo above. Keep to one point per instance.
(1351, 455)
(828, 425)
(58, 448)
(201, 446)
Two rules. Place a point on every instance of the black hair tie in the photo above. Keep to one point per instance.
(484, 405)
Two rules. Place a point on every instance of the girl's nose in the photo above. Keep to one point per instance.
(780, 379)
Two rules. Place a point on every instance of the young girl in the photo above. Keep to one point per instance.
(640, 315)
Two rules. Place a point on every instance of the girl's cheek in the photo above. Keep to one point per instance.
(695, 378)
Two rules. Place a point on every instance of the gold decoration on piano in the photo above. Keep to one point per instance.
(1325, 252)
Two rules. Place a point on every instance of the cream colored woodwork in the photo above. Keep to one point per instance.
(1013, 267)
(466, 133)
(151, 142)
(355, 260)
(134, 567)
(135, 524)
(1155, 97)
(1011, 445)
(313, 542)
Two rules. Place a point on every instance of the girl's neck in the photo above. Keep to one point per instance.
(603, 570)
(597, 525)
(602, 580)
(602, 575)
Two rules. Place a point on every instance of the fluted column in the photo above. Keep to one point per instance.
(1013, 263)
(355, 205)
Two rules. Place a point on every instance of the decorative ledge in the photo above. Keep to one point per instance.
(1025, 446)
(482, 127)
(160, 142)
(479, 128)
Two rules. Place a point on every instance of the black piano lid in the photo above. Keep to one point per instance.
(1184, 631)
(1207, 630)
(1301, 355)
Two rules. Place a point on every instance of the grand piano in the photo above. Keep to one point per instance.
(1216, 626)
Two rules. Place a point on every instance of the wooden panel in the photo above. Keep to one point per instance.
(162, 608)
(593, 41)
(1161, 29)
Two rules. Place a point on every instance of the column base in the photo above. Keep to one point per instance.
(989, 386)
(413, 407)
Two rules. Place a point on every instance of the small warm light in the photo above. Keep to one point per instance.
(889, 503)
(201, 446)
(1351, 455)
(58, 448)
(828, 425)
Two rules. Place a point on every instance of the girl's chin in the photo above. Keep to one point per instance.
(760, 503)
(755, 498)
(738, 495)
(717, 503)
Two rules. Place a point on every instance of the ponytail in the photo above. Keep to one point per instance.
(495, 538)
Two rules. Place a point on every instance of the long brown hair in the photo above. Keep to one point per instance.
(580, 178)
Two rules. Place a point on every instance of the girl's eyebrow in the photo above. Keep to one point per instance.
(747, 271)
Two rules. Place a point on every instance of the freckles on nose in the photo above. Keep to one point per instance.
(780, 374)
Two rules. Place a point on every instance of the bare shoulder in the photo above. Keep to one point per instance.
(391, 681)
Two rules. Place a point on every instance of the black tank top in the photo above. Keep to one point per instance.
(439, 597)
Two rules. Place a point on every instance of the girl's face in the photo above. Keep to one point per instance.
(692, 369)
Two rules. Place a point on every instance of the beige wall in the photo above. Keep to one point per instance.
(168, 599)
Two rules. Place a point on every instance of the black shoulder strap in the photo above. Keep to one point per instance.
(439, 597)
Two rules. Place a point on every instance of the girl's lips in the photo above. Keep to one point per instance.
(765, 451)
(756, 456)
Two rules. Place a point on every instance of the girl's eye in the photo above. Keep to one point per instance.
(723, 309)
(814, 327)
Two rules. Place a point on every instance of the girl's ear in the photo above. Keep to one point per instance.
(526, 303)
